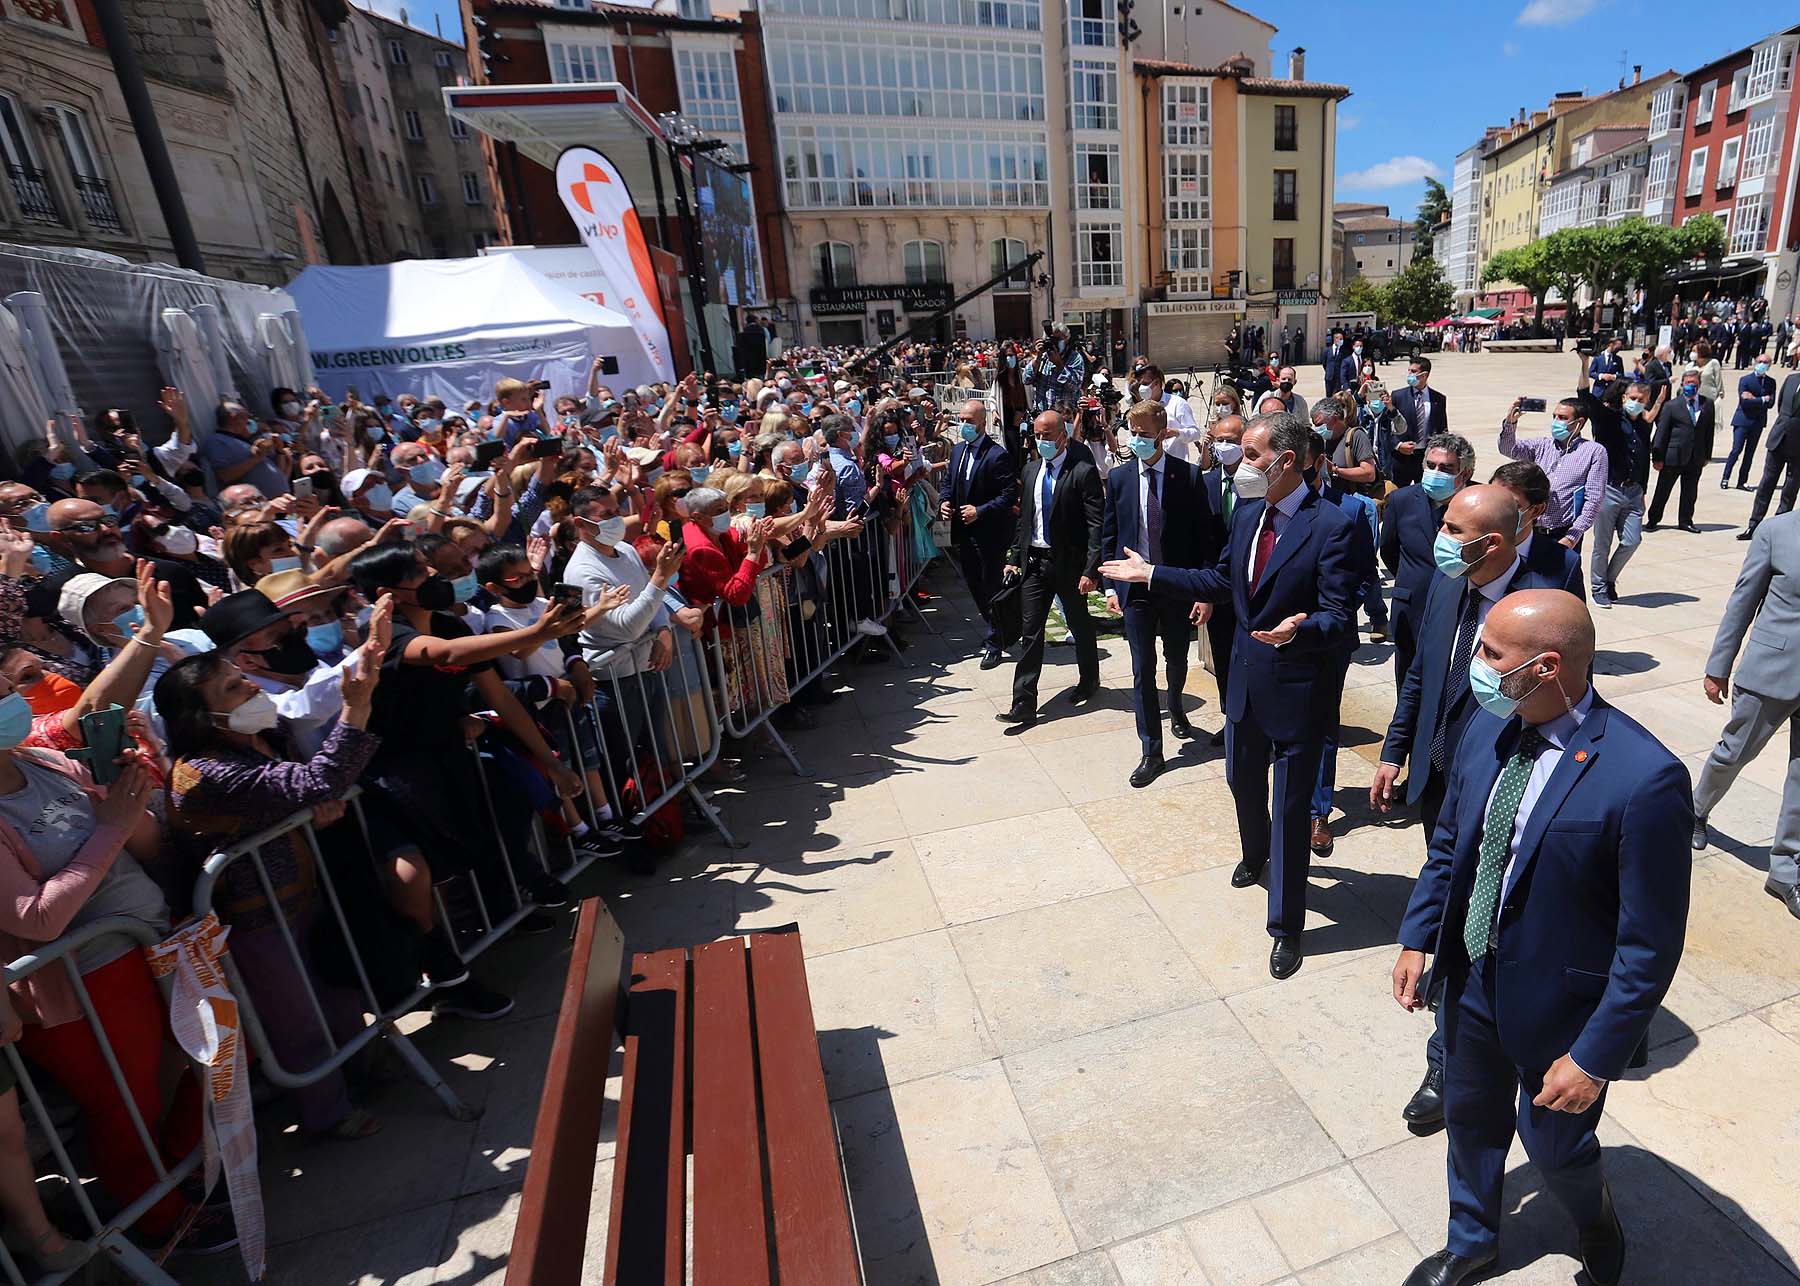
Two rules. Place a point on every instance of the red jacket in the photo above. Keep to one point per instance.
(707, 573)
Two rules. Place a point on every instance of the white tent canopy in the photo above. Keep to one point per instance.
(451, 327)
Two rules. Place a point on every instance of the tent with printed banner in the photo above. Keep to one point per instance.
(452, 327)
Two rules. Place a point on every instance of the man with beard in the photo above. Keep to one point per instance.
(89, 534)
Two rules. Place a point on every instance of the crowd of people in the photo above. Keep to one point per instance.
(437, 630)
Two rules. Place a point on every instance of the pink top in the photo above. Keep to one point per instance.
(34, 910)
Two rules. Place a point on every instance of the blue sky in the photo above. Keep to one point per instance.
(1429, 75)
(1427, 78)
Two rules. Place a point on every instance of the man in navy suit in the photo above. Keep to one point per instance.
(1336, 350)
(1681, 450)
(1350, 365)
(1224, 448)
(1423, 414)
(982, 488)
(1409, 527)
(1550, 563)
(1157, 504)
(1554, 902)
(1289, 570)
(1607, 367)
(1477, 563)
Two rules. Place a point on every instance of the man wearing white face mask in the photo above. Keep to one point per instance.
(1554, 903)
(1148, 385)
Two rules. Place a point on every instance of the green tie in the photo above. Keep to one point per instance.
(1229, 494)
(1496, 844)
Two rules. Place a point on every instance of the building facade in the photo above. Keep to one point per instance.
(430, 195)
(1459, 251)
(1603, 183)
(254, 124)
(1377, 246)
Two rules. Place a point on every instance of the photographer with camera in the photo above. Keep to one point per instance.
(1057, 370)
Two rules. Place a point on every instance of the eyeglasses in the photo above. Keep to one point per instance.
(87, 526)
(21, 503)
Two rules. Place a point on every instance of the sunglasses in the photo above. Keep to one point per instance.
(90, 525)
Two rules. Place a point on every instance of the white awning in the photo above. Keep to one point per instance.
(542, 120)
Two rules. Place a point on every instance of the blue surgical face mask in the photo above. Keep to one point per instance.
(1447, 553)
(128, 622)
(62, 472)
(283, 565)
(1485, 683)
(15, 720)
(891, 441)
(427, 472)
(464, 587)
(325, 640)
(1762, 368)
(735, 448)
(755, 509)
(1143, 448)
(799, 472)
(729, 414)
(379, 498)
(1437, 484)
(1690, 391)
(721, 522)
(969, 432)
(1011, 361)
(376, 433)
(1047, 449)
(1378, 406)
(37, 517)
(1560, 429)
(1412, 380)
(430, 426)
(854, 406)
(1632, 407)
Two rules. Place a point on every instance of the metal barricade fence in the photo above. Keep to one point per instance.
(108, 1235)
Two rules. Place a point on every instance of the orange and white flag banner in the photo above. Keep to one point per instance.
(204, 1017)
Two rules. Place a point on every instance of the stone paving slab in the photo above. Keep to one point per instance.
(1055, 1053)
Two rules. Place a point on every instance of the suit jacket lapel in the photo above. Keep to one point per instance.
(1581, 751)
(1129, 521)
(1299, 527)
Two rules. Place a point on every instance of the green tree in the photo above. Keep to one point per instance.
(1529, 267)
(1360, 295)
(1431, 212)
(1702, 237)
(1420, 294)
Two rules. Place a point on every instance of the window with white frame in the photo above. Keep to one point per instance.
(1666, 107)
(949, 77)
(1656, 186)
(1099, 255)
(1097, 176)
(458, 130)
(1750, 224)
(1765, 68)
(442, 59)
(1740, 83)
(1728, 162)
(581, 5)
(1188, 253)
(924, 263)
(1759, 149)
(1091, 23)
(471, 186)
(834, 264)
(1093, 95)
(841, 164)
(1696, 175)
(428, 194)
(709, 89)
(1186, 185)
(1187, 113)
(397, 53)
(1703, 102)
(697, 10)
(410, 120)
(579, 62)
(1003, 253)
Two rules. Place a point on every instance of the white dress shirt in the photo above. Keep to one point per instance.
(1279, 515)
(1143, 489)
(1492, 592)
(1040, 536)
(1556, 734)
(1187, 429)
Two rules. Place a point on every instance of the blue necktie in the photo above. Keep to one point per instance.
(1044, 495)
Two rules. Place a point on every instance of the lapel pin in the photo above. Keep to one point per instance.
(1581, 756)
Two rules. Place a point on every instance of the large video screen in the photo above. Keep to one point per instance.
(728, 234)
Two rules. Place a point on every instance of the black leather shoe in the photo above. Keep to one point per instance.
(1179, 725)
(1244, 874)
(1448, 1269)
(1747, 532)
(990, 660)
(1426, 1106)
(1699, 838)
(1652, 526)
(1691, 528)
(1786, 894)
(1603, 1244)
(1285, 958)
(1081, 693)
(1020, 717)
(1148, 770)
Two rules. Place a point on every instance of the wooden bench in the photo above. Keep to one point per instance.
(1520, 346)
(721, 1063)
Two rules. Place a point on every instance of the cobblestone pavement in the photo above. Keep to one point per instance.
(1055, 1053)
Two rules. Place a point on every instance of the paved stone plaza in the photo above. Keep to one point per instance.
(1055, 1052)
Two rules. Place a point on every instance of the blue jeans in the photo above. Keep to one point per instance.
(1744, 438)
(1621, 517)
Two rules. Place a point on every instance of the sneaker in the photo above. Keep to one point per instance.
(471, 1000)
(440, 964)
(871, 629)
(212, 1232)
(1598, 596)
(597, 844)
(546, 890)
(536, 922)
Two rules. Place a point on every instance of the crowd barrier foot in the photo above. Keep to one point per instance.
(894, 647)
(420, 1066)
(786, 750)
(712, 816)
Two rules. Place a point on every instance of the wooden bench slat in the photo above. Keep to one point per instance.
(647, 1237)
(814, 1241)
(553, 1210)
(731, 1221)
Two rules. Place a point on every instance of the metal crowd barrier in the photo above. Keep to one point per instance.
(106, 1235)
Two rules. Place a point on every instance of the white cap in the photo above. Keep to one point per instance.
(352, 482)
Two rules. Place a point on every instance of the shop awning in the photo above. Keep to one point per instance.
(1727, 271)
(542, 120)
(1484, 312)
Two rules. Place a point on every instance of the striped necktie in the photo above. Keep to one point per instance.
(1496, 844)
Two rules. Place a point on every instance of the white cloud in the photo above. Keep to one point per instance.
(1555, 13)
(1509, 48)
(1348, 120)
(1395, 172)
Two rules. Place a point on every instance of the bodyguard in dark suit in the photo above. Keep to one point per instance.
(1424, 413)
(1409, 526)
(1782, 452)
(1551, 564)
(1477, 563)
(1158, 506)
(982, 487)
(1336, 350)
(1289, 571)
(1062, 507)
(1226, 449)
(1554, 903)
(1350, 365)
(1680, 450)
